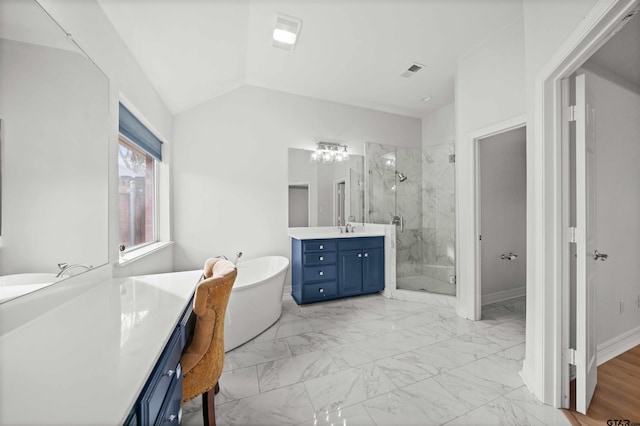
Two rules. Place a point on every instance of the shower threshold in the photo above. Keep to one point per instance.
(426, 283)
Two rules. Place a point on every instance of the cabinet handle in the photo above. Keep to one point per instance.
(366, 255)
(171, 418)
(321, 247)
(321, 258)
(170, 373)
(321, 273)
(359, 254)
(321, 290)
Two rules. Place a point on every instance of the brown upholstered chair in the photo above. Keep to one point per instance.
(203, 357)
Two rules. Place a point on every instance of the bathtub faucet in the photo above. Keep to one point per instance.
(238, 256)
(64, 267)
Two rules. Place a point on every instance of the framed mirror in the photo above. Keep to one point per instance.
(325, 193)
(54, 113)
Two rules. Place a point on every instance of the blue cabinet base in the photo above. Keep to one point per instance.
(336, 268)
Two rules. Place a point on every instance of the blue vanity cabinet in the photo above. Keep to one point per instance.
(314, 271)
(350, 267)
(334, 268)
(361, 265)
(159, 401)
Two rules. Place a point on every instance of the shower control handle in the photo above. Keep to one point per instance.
(398, 220)
(601, 256)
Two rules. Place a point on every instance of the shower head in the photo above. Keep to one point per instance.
(401, 176)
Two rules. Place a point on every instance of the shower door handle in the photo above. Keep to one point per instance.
(398, 220)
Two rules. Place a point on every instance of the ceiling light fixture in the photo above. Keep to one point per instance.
(329, 152)
(286, 31)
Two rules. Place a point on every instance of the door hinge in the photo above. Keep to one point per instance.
(571, 113)
(571, 354)
(572, 234)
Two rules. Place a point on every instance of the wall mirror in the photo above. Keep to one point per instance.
(325, 193)
(54, 126)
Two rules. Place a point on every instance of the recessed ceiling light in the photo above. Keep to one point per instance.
(285, 32)
(426, 99)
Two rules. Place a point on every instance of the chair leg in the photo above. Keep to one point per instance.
(209, 406)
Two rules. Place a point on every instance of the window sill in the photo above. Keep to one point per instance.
(137, 254)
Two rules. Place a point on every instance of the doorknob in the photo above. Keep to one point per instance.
(602, 256)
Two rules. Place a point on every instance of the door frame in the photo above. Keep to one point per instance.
(473, 299)
(336, 201)
(546, 359)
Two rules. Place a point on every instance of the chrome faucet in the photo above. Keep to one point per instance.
(64, 267)
(222, 256)
(349, 226)
(238, 256)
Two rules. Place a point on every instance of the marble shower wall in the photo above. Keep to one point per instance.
(438, 206)
(387, 197)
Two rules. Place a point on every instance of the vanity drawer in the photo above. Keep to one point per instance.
(168, 370)
(318, 245)
(319, 273)
(317, 291)
(320, 258)
(170, 412)
(361, 243)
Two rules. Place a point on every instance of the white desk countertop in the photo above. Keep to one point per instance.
(86, 361)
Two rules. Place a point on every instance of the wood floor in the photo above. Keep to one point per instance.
(617, 395)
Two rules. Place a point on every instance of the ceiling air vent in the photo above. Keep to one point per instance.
(412, 70)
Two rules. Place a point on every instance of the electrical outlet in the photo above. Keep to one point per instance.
(452, 280)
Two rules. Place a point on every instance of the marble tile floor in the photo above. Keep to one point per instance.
(374, 361)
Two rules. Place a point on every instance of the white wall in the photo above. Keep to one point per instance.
(439, 126)
(490, 89)
(618, 206)
(90, 28)
(502, 164)
(230, 166)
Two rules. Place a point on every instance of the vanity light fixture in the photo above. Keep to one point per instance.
(285, 32)
(328, 152)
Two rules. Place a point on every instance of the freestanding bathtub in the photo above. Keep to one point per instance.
(256, 299)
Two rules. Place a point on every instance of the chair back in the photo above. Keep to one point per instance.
(203, 359)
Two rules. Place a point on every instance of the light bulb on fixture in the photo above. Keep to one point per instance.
(329, 152)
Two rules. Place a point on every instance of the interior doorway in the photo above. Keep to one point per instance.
(502, 216)
(602, 129)
(298, 204)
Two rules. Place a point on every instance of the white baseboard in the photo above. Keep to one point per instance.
(499, 296)
(618, 345)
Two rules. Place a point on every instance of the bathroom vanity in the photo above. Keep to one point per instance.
(110, 355)
(331, 265)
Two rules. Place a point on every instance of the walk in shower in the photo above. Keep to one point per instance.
(413, 188)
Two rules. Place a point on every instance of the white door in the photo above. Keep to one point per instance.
(586, 249)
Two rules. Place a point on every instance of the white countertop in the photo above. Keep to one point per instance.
(328, 232)
(86, 361)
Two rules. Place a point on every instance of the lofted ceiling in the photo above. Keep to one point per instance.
(348, 51)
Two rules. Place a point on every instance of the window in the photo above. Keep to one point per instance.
(138, 152)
